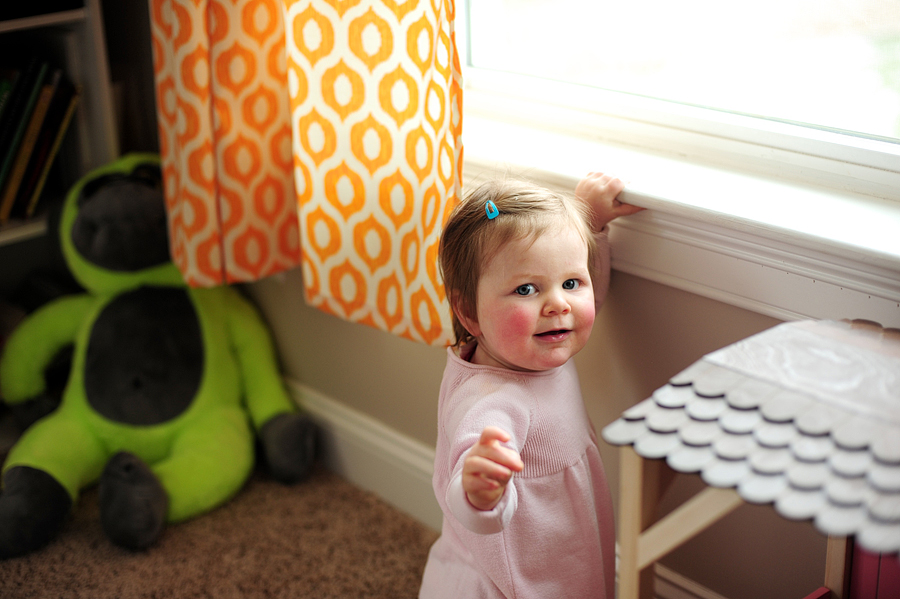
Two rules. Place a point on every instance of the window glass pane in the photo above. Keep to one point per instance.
(827, 63)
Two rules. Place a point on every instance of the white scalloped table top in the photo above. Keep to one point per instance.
(804, 416)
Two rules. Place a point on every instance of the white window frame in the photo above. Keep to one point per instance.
(788, 221)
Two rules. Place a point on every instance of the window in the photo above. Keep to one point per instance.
(813, 77)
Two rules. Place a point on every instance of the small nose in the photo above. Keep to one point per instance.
(556, 304)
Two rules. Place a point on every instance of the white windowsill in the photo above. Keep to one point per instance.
(787, 249)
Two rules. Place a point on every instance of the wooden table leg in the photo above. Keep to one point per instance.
(638, 497)
(837, 566)
(643, 540)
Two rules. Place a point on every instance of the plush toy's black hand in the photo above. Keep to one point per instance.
(133, 503)
(30, 411)
(289, 443)
(56, 376)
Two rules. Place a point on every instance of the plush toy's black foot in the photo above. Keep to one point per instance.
(289, 442)
(133, 503)
(33, 507)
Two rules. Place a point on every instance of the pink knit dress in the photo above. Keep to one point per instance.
(552, 535)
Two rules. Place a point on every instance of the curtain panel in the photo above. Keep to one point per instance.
(318, 133)
(225, 138)
(376, 115)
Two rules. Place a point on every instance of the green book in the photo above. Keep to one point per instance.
(21, 105)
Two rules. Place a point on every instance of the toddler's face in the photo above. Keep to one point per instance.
(535, 303)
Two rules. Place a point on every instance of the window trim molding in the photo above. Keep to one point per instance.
(774, 278)
(747, 144)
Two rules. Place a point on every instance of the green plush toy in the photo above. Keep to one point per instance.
(168, 383)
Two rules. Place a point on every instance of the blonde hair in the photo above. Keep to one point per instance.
(470, 239)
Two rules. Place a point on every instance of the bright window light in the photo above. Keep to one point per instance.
(828, 64)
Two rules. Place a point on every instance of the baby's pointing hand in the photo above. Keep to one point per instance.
(488, 468)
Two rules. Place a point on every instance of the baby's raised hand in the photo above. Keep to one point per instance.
(488, 468)
(600, 192)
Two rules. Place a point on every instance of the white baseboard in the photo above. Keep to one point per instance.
(398, 469)
(373, 456)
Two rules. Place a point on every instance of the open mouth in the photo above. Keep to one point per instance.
(552, 334)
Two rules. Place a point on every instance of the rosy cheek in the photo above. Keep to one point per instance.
(585, 319)
(589, 315)
(516, 322)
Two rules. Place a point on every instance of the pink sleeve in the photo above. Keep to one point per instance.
(499, 404)
(481, 522)
(601, 267)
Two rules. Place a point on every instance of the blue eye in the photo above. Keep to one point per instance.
(526, 289)
(570, 284)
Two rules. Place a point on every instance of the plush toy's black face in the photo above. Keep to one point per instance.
(121, 222)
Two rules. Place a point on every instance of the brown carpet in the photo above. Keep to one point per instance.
(323, 538)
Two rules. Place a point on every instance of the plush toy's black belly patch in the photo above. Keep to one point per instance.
(144, 357)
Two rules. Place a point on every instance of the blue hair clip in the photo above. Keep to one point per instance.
(491, 209)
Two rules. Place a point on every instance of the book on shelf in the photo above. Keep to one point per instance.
(58, 119)
(16, 116)
(8, 78)
(9, 191)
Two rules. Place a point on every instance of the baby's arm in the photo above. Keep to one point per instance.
(488, 468)
(599, 191)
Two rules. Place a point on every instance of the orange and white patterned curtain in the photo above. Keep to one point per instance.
(225, 138)
(342, 116)
(376, 114)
